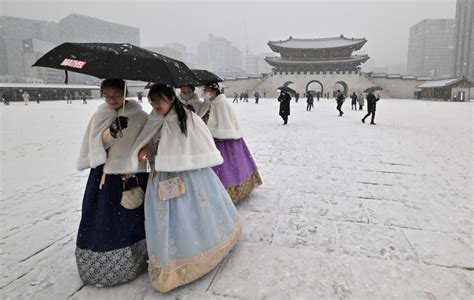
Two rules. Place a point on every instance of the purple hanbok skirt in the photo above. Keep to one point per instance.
(238, 173)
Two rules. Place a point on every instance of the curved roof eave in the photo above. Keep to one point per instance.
(278, 46)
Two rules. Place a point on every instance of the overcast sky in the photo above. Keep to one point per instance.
(250, 24)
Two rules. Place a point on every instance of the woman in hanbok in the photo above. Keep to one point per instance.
(111, 247)
(191, 223)
(239, 172)
(191, 100)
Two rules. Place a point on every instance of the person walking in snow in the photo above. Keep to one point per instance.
(26, 97)
(340, 100)
(192, 102)
(309, 101)
(354, 101)
(371, 107)
(236, 98)
(257, 97)
(284, 100)
(360, 99)
(111, 247)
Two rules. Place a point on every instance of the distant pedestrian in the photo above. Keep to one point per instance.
(38, 98)
(318, 95)
(84, 98)
(246, 97)
(354, 101)
(309, 101)
(4, 100)
(257, 97)
(284, 100)
(327, 95)
(371, 107)
(140, 97)
(26, 97)
(236, 98)
(340, 100)
(360, 99)
(68, 98)
(241, 96)
(297, 97)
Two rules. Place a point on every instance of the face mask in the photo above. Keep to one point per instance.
(186, 96)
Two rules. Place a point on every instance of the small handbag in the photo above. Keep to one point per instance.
(132, 194)
(171, 188)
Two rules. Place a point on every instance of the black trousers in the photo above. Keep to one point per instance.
(354, 106)
(339, 106)
(309, 106)
(368, 114)
(285, 118)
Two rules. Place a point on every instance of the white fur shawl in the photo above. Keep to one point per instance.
(176, 151)
(93, 151)
(222, 121)
(200, 107)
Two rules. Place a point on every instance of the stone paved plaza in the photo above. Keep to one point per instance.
(347, 210)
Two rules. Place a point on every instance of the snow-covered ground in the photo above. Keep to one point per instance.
(347, 210)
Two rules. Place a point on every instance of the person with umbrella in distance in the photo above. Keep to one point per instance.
(191, 222)
(238, 173)
(284, 100)
(111, 246)
(371, 107)
(340, 101)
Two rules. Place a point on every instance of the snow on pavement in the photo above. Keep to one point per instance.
(347, 210)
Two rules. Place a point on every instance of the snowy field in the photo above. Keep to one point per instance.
(347, 210)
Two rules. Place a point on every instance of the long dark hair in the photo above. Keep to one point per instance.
(160, 91)
(118, 84)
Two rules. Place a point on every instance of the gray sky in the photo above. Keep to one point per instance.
(251, 24)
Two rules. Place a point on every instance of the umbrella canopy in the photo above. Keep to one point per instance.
(287, 90)
(372, 89)
(203, 77)
(206, 77)
(121, 61)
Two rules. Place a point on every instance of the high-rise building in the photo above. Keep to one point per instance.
(219, 55)
(79, 28)
(430, 48)
(25, 40)
(463, 62)
(21, 41)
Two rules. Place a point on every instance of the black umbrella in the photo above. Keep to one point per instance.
(287, 90)
(122, 61)
(205, 77)
(372, 89)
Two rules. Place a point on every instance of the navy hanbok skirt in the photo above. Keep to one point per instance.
(111, 247)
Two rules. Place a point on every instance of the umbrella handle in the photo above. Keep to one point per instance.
(124, 97)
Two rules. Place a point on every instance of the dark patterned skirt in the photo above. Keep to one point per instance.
(111, 247)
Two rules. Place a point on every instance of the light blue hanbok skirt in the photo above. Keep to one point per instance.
(188, 236)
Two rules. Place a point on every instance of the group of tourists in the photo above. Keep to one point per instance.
(284, 99)
(162, 187)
